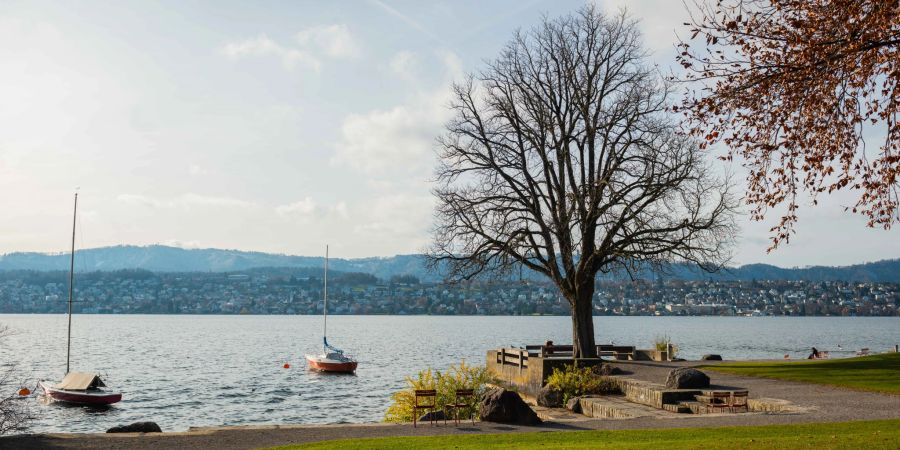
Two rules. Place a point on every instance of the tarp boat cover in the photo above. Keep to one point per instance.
(80, 381)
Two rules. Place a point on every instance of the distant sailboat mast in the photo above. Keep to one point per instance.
(325, 307)
(71, 284)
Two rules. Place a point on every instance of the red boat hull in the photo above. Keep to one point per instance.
(325, 366)
(82, 398)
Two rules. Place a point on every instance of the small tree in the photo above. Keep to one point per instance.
(561, 158)
(791, 86)
(14, 413)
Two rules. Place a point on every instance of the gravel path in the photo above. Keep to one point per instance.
(824, 404)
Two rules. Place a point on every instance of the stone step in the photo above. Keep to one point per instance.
(617, 407)
(706, 399)
(677, 408)
(694, 407)
(651, 394)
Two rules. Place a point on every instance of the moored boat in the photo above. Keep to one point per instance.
(331, 359)
(81, 388)
(78, 387)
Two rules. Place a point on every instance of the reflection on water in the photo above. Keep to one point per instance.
(183, 371)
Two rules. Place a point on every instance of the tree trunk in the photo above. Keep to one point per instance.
(583, 321)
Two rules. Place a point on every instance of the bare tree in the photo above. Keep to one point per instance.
(14, 413)
(560, 158)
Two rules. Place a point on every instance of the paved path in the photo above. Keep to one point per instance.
(824, 404)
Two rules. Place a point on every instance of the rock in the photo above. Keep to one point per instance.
(605, 370)
(574, 405)
(550, 398)
(711, 358)
(137, 427)
(687, 378)
(433, 415)
(500, 405)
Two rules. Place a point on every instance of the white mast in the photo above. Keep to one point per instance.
(71, 284)
(325, 307)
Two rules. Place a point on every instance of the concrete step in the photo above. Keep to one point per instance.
(618, 407)
(677, 408)
(651, 394)
(694, 407)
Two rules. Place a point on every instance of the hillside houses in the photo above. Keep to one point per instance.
(259, 292)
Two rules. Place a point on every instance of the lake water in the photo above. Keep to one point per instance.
(183, 371)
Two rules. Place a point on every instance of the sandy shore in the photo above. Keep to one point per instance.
(822, 404)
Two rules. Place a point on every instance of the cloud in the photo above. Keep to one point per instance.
(334, 41)
(312, 44)
(195, 170)
(398, 216)
(307, 209)
(262, 45)
(400, 139)
(185, 201)
(303, 207)
(405, 64)
(181, 244)
(340, 210)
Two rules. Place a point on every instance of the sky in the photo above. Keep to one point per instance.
(276, 126)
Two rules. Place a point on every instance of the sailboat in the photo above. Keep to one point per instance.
(78, 387)
(332, 359)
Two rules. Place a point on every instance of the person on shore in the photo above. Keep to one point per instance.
(815, 354)
(548, 347)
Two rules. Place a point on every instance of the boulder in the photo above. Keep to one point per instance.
(500, 405)
(433, 415)
(550, 398)
(574, 405)
(137, 427)
(711, 358)
(687, 378)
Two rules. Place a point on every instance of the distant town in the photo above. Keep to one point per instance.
(276, 292)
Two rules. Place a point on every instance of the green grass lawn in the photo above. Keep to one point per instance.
(878, 373)
(850, 435)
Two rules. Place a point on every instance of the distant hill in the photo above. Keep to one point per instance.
(159, 258)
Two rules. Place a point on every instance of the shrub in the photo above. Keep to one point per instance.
(662, 344)
(461, 376)
(575, 382)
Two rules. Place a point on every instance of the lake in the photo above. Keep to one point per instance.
(182, 370)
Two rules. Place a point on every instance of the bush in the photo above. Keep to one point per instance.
(575, 382)
(662, 344)
(461, 376)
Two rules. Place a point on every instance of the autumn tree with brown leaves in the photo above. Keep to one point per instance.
(792, 87)
(562, 157)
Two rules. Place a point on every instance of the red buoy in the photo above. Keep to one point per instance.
(24, 391)
(287, 366)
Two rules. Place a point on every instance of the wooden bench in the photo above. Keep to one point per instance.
(424, 394)
(463, 399)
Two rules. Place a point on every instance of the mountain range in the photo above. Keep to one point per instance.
(160, 258)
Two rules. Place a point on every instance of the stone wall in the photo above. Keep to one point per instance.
(531, 378)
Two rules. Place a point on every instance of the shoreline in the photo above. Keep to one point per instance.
(819, 404)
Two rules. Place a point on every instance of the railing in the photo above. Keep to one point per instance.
(513, 357)
(519, 356)
(616, 351)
